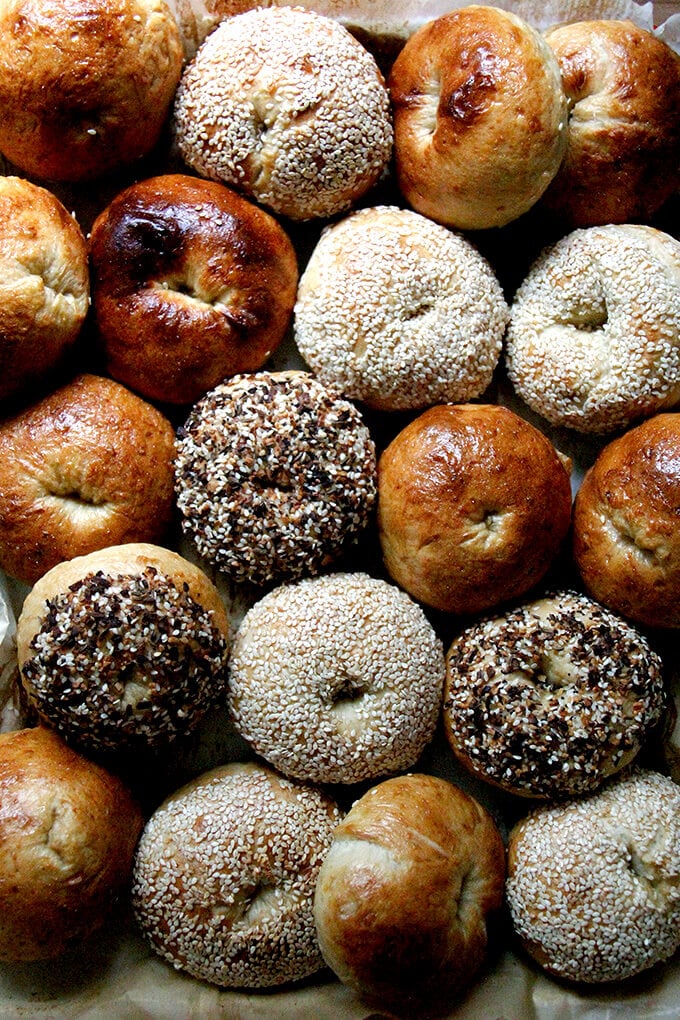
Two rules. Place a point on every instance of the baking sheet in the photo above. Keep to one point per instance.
(114, 974)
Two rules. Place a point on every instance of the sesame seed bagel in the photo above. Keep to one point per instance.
(191, 283)
(626, 540)
(275, 476)
(552, 697)
(224, 877)
(336, 679)
(594, 336)
(85, 85)
(87, 466)
(289, 108)
(594, 885)
(123, 648)
(399, 312)
(479, 117)
(44, 285)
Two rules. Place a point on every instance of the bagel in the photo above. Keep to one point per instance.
(124, 648)
(479, 117)
(274, 475)
(474, 504)
(68, 831)
(593, 342)
(398, 312)
(85, 86)
(87, 466)
(622, 161)
(407, 893)
(44, 285)
(519, 709)
(190, 284)
(224, 877)
(594, 884)
(626, 542)
(286, 106)
(336, 679)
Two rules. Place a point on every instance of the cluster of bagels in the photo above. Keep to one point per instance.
(340, 496)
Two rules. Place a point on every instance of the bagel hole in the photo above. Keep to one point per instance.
(251, 903)
(639, 545)
(347, 692)
(416, 311)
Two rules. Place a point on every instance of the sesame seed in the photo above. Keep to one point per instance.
(287, 106)
(275, 476)
(336, 679)
(552, 697)
(399, 312)
(594, 884)
(594, 335)
(225, 873)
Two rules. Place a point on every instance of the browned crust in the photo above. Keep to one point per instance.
(473, 505)
(627, 523)
(623, 149)
(191, 284)
(89, 465)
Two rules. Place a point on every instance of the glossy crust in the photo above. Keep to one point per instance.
(623, 140)
(404, 895)
(44, 284)
(123, 648)
(89, 465)
(473, 506)
(85, 85)
(479, 117)
(191, 284)
(626, 535)
(68, 830)
(225, 872)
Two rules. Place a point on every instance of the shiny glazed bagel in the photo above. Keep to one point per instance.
(626, 539)
(623, 139)
(473, 506)
(87, 466)
(68, 831)
(479, 118)
(191, 283)
(407, 892)
(85, 85)
(44, 285)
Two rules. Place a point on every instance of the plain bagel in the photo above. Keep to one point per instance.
(479, 117)
(87, 466)
(191, 283)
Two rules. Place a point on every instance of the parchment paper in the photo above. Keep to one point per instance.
(114, 974)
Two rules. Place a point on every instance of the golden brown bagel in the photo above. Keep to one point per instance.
(44, 284)
(68, 831)
(479, 117)
(623, 139)
(191, 284)
(87, 466)
(473, 505)
(85, 85)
